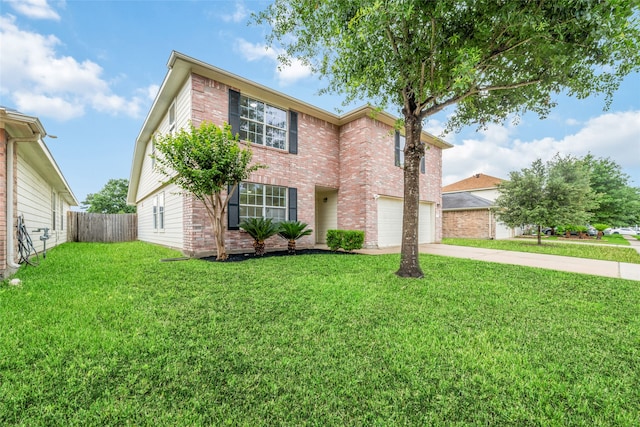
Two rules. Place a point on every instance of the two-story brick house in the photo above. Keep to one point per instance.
(330, 171)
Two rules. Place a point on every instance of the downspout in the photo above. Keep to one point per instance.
(10, 232)
(491, 237)
(10, 178)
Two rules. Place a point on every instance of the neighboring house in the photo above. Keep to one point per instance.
(466, 209)
(327, 170)
(31, 186)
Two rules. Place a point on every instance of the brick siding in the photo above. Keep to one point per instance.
(357, 159)
(472, 224)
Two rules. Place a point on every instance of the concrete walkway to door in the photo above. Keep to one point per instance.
(553, 262)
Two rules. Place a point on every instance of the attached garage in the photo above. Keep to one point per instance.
(390, 222)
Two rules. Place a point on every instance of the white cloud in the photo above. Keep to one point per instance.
(32, 68)
(238, 14)
(612, 135)
(286, 74)
(257, 51)
(35, 9)
(151, 91)
(43, 105)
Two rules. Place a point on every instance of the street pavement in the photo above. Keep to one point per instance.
(553, 262)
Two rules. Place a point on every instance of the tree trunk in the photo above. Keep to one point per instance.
(291, 247)
(258, 246)
(539, 234)
(218, 225)
(413, 153)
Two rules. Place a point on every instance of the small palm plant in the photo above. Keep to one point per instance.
(292, 231)
(260, 229)
(600, 228)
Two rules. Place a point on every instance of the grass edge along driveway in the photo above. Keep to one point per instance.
(574, 249)
(106, 334)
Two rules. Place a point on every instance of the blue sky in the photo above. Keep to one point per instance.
(90, 70)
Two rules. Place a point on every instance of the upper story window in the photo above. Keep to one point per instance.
(399, 153)
(172, 117)
(262, 123)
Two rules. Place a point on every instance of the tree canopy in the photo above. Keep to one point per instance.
(618, 202)
(547, 194)
(112, 199)
(208, 163)
(490, 59)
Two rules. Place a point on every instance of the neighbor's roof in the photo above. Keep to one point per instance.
(464, 200)
(478, 181)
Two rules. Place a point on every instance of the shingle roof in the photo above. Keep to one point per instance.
(476, 182)
(464, 200)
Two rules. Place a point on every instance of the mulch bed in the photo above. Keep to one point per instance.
(246, 256)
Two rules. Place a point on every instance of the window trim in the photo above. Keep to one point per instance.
(263, 206)
(233, 206)
(399, 153)
(158, 212)
(54, 209)
(264, 122)
(172, 120)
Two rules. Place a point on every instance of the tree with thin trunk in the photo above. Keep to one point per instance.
(556, 192)
(491, 60)
(205, 162)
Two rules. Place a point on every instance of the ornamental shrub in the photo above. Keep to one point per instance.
(348, 240)
(334, 239)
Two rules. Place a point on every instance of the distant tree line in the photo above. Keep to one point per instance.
(112, 199)
(568, 190)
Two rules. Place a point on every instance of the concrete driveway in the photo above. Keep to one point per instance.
(615, 269)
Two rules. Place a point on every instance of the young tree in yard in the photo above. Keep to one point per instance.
(204, 162)
(112, 199)
(557, 192)
(490, 59)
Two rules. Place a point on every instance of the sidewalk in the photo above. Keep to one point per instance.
(553, 262)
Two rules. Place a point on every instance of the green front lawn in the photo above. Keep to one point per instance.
(614, 239)
(106, 334)
(550, 247)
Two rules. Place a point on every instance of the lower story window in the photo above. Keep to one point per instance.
(262, 201)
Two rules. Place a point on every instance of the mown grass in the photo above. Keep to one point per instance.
(614, 239)
(600, 252)
(108, 335)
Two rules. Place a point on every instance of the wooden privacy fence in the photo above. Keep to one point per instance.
(106, 228)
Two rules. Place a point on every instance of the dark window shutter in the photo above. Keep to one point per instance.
(423, 168)
(293, 132)
(234, 111)
(293, 204)
(397, 148)
(233, 209)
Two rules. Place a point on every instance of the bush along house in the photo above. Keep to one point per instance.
(330, 171)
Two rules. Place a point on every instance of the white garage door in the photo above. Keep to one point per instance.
(390, 222)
